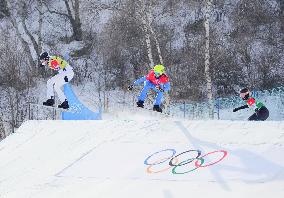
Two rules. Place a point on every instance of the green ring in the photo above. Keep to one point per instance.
(174, 169)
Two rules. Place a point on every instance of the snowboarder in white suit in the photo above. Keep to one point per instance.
(65, 74)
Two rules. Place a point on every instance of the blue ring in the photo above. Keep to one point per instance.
(146, 160)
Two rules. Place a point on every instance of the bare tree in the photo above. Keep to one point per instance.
(14, 81)
(73, 15)
(15, 24)
(4, 12)
(36, 43)
(2, 128)
(40, 23)
(207, 59)
(23, 10)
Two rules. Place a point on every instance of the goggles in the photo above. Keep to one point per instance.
(243, 95)
(44, 62)
(157, 74)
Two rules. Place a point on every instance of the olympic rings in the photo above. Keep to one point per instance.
(175, 164)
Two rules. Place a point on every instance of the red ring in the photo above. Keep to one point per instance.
(200, 165)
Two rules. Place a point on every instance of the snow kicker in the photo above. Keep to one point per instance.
(77, 110)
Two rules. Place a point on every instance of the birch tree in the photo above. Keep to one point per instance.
(146, 16)
(40, 23)
(143, 17)
(207, 59)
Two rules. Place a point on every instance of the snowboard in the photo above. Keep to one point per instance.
(145, 109)
(73, 108)
(49, 107)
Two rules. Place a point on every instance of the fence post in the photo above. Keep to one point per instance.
(218, 108)
(29, 111)
(184, 109)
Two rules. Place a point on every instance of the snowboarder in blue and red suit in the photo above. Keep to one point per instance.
(156, 80)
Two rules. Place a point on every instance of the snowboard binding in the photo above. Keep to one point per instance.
(49, 102)
(140, 103)
(64, 105)
(157, 108)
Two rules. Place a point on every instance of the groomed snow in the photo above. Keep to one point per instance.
(56, 159)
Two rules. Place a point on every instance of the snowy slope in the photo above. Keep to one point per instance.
(107, 159)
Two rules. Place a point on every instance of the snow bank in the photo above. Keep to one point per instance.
(108, 158)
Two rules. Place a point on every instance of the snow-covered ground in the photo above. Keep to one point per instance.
(108, 158)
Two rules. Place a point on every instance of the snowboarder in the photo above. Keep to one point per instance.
(261, 112)
(65, 74)
(156, 80)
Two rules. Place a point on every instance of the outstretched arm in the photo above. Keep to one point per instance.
(139, 81)
(167, 87)
(241, 107)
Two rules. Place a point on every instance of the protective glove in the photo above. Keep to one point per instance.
(160, 89)
(239, 108)
(235, 109)
(130, 87)
(66, 79)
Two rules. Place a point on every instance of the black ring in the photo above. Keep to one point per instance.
(182, 164)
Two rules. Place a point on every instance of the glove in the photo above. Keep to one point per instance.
(130, 87)
(160, 89)
(239, 108)
(66, 79)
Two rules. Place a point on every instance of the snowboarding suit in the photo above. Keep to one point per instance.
(261, 112)
(65, 74)
(158, 84)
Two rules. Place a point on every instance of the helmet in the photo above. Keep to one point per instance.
(244, 93)
(44, 56)
(244, 90)
(159, 69)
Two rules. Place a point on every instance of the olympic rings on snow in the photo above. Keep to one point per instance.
(175, 164)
